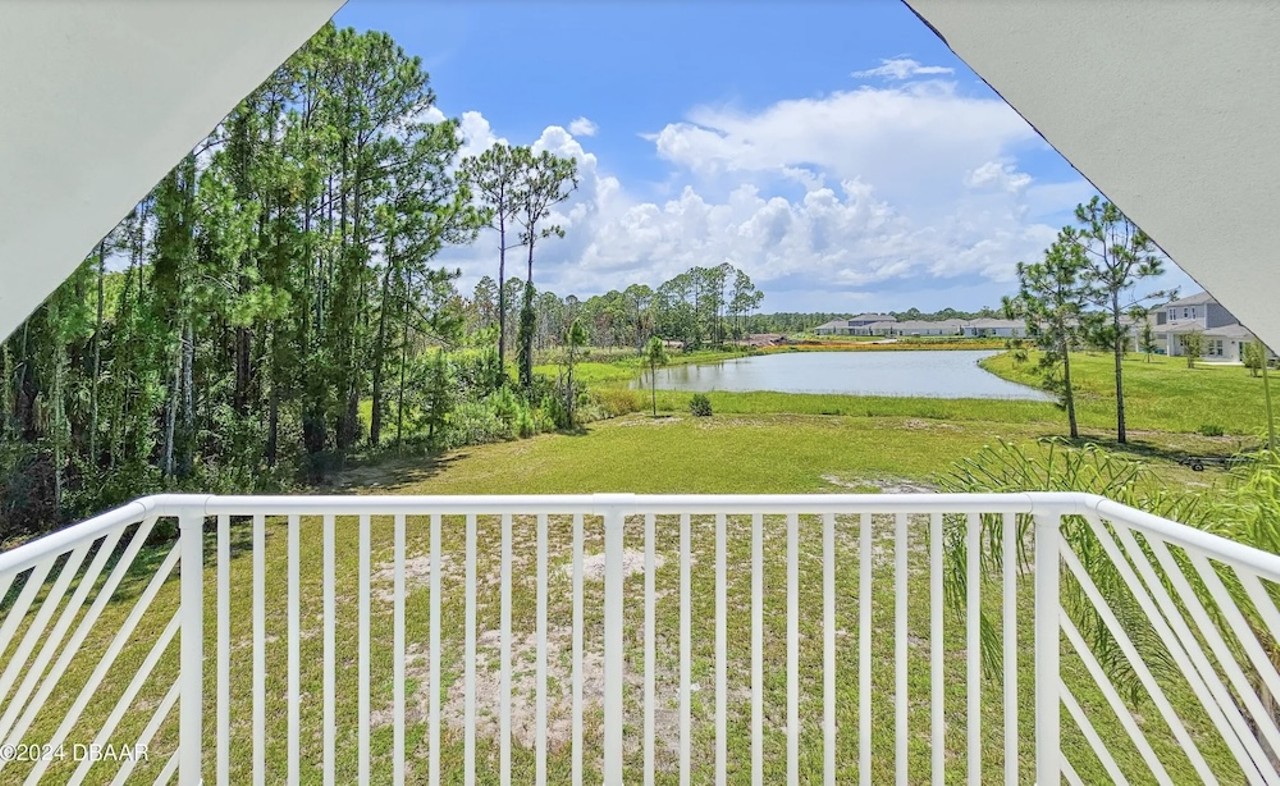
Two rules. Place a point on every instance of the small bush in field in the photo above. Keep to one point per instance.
(1210, 430)
(619, 401)
(700, 406)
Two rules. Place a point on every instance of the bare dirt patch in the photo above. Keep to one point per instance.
(885, 485)
(632, 564)
(662, 420)
(918, 424)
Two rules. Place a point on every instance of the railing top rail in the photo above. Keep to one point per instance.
(1055, 503)
(1264, 564)
(595, 504)
(19, 559)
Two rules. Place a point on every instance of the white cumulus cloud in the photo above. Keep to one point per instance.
(869, 197)
(583, 127)
(901, 68)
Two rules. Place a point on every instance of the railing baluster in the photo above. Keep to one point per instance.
(44, 611)
(793, 648)
(722, 666)
(540, 710)
(68, 615)
(504, 656)
(900, 697)
(1067, 555)
(757, 649)
(686, 652)
(125, 702)
(1121, 711)
(937, 661)
(613, 646)
(1262, 721)
(191, 673)
(82, 629)
(259, 649)
(148, 733)
(469, 658)
(363, 752)
(576, 709)
(1009, 554)
(15, 615)
(650, 650)
(1047, 637)
(829, 649)
(329, 581)
(294, 697)
(865, 550)
(1185, 648)
(398, 649)
(223, 711)
(433, 698)
(1091, 736)
(973, 644)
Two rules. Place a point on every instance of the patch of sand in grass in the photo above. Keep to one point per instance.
(488, 687)
(646, 420)
(916, 424)
(885, 485)
(417, 574)
(632, 564)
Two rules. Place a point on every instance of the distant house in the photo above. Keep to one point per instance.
(853, 326)
(1224, 336)
(919, 327)
(836, 327)
(1004, 328)
(676, 346)
(888, 325)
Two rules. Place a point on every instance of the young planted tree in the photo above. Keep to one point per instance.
(437, 394)
(494, 178)
(1119, 256)
(1193, 345)
(1051, 298)
(1147, 343)
(1253, 355)
(545, 180)
(575, 339)
(655, 354)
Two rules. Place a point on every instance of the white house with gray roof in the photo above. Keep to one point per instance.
(1224, 336)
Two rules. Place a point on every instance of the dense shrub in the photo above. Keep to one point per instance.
(475, 423)
(700, 405)
(1210, 430)
(615, 402)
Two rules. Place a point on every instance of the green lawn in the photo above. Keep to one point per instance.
(1162, 394)
(748, 452)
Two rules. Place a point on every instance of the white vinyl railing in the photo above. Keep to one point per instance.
(637, 639)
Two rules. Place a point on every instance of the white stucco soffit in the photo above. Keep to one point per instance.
(101, 98)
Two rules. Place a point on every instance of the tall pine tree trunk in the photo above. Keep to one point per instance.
(1121, 437)
(379, 352)
(1069, 395)
(527, 325)
(502, 289)
(186, 448)
(97, 359)
(404, 362)
(171, 414)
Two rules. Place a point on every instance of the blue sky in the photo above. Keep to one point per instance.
(837, 151)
